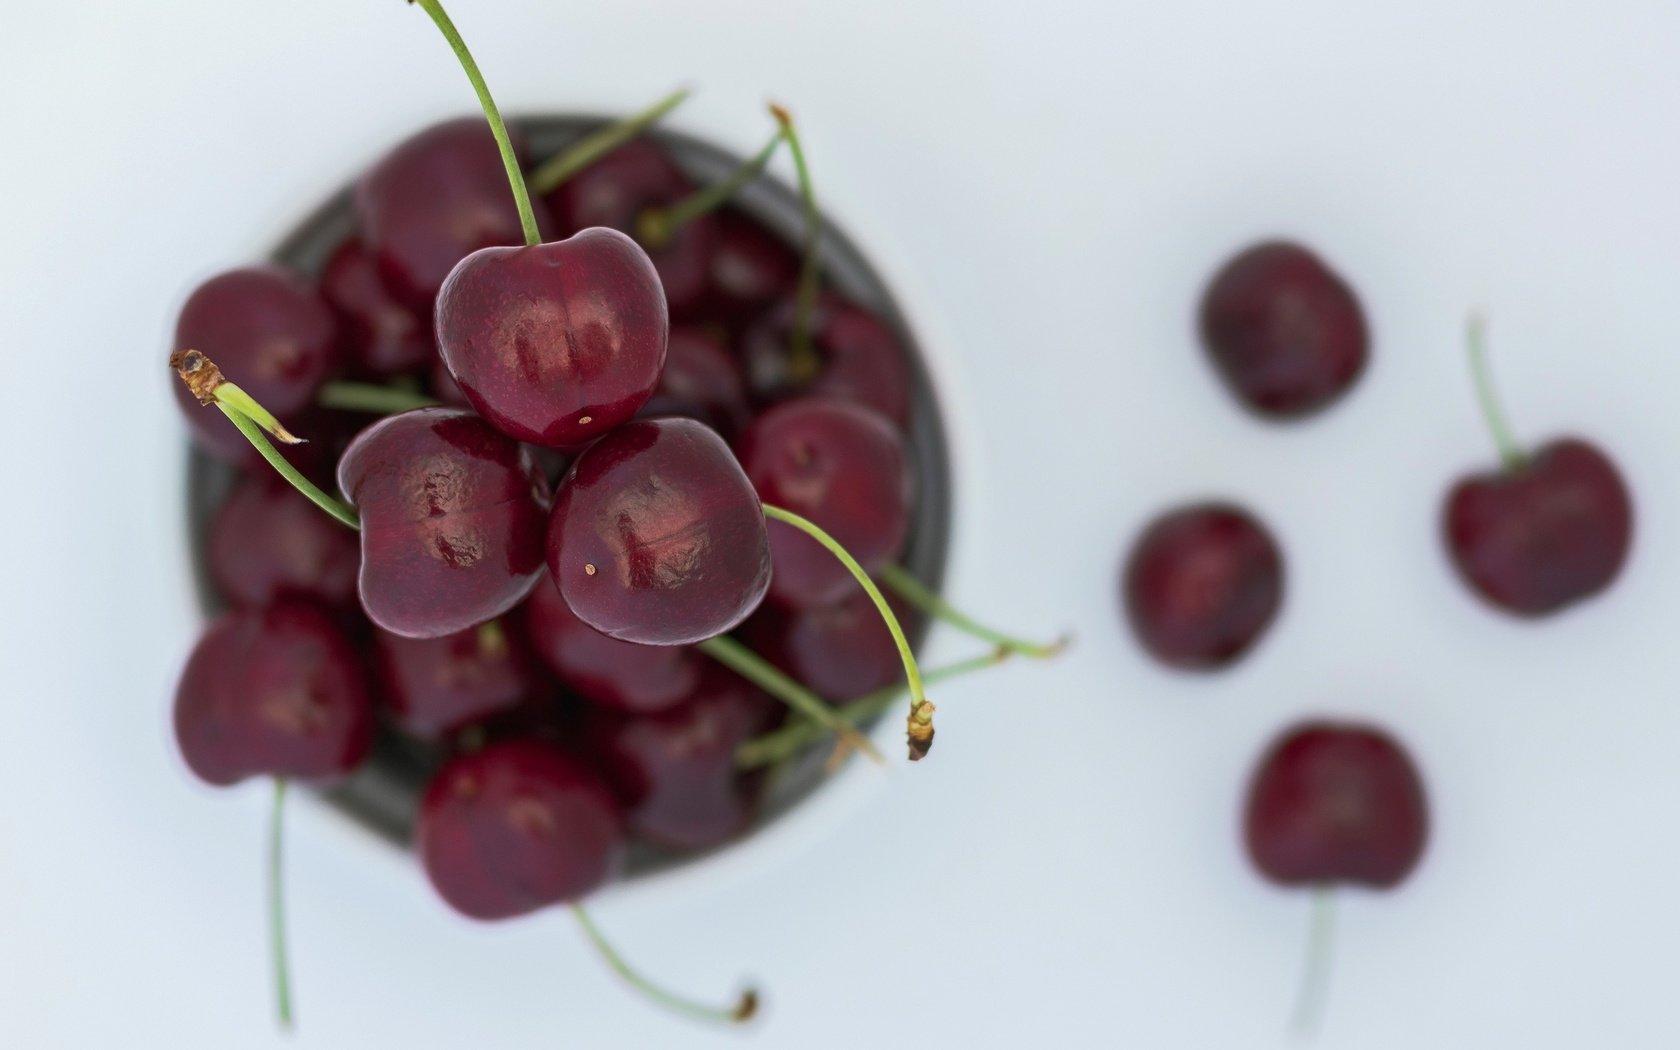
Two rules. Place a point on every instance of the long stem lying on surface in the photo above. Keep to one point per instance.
(1315, 970)
(277, 910)
(742, 1011)
(1510, 452)
(597, 144)
(911, 590)
(755, 669)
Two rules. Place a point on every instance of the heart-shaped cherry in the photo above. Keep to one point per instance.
(452, 518)
(624, 676)
(657, 536)
(555, 344)
(839, 651)
(1202, 584)
(384, 337)
(1547, 529)
(701, 381)
(1286, 334)
(433, 686)
(266, 541)
(858, 357)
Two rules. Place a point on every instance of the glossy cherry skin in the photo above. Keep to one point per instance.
(434, 686)
(434, 200)
(383, 337)
(624, 676)
(267, 541)
(860, 357)
(557, 344)
(839, 651)
(701, 381)
(751, 268)
(270, 333)
(841, 465)
(1545, 535)
(277, 691)
(1336, 803)
(1202, 584)
(452, 520)
(516, 827)
(675, 770)
(1286, 334)
(657, 536)
(616, 190)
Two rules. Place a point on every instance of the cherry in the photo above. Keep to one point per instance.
(451, 520)
(277, 691)
(839, 651)
(266, 541)
(385, 338)
(1202, 584)
(675, 769)
(617, 190)
(657, 536)
(1285, 332)
(701, 381)
(636, 679)
(555, 344)
(751, 268)
(843, 466)
(432, 201)
(859, 357)
(275, 336)
(1546, 530)
(516, 827)
(433, 686)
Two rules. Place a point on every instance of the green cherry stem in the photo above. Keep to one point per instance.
(516, 178)
(656, 226)
(255, 436)
(741, 1012)
(597, 144)
(277, 910)
(803, 365)
(1315, 971)
(919, 725)
(371, 397)
(760, 672)
(913, 591)
(1509, 451)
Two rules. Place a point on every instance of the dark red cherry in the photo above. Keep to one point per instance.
(1540, 536)
(701, 381)
(433, 686)
(617, 190)
(1336, 803)
(675, 770)
(267, 541)
(859, 357)
(841, 465)
(622, 675)
(277, 691)
(1284, 331)
(1202, 584)
(839, 651)
(383, 337)
(515, 827)
(556, 344)
(434, 200)
(452, 520)
(751, 268)
(657, 536)
(271, 334)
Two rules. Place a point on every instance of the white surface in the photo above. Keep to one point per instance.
(1052, 182)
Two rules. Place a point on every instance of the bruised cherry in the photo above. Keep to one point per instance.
(433, 686)
(452, 516)
(701, 381)
(383, 337)
(267, 541)
(624, 676)
(858, 357)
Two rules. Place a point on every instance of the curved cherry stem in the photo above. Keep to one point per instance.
(919, 725)
(1510, 452)
(592, 147)
(755, 669)
(255, 436)
(516, 178)
(371, 397)
(803, 364)
(1315, 970)
(277, 910)
(743, 1010)
(656, 226)
(912, 590)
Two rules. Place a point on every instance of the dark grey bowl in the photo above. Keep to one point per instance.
(384, 795)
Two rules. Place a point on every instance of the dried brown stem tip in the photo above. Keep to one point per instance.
(746, 1008)
(920, 726)
(199, 373)
(780, 112)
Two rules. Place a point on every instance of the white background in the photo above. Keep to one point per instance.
(1049, 183)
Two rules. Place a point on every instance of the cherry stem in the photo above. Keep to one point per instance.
(740, 1013)
(803, 365)
(656, 226)
(913, 591)
(755, 669)
(1509, 451)
(277, 910)
(778, 745)
(919, 726)
(255, 436)
(516, 178)
(1315, 971)
(592, 147)
(371, 397)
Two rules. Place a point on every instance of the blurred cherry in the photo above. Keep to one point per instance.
(266, 542)
(637, 679)
(858, 358)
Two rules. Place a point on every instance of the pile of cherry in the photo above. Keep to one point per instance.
(1334, 803)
